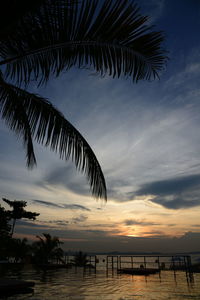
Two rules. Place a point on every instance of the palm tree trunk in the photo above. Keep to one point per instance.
(13, 227)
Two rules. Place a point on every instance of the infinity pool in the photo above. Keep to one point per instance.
(75, 284)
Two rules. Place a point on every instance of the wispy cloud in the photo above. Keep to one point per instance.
(130, 222)
(79, 219)
(67, 177)
(59, 222)
(75, 207)
(155, 234)
(186, 75)
(46, 203)
(28, 224)
(39, 224)
(61, 205)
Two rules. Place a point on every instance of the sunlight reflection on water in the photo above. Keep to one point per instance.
(74, 284)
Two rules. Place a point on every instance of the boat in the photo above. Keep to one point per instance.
(138, 271)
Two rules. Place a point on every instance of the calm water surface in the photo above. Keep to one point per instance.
(75, 284)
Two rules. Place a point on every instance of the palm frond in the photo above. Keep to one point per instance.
(110, 36)
(16, 205)
(9, 202)
(31, 116)
(12, 11)
(14, 114)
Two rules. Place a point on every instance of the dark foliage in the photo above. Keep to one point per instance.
(43, 39)
(18, 212)
(47, 249)
(80, 259)
(4, 232)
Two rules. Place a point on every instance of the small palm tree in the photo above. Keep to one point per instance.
(18, 212)
(47, 249)
(80, 259)
(40, 39)
(19, 249)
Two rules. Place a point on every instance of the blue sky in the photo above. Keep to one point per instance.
(146, 138)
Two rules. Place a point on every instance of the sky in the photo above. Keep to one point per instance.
(146, 138)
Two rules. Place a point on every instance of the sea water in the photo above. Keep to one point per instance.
(80, 284)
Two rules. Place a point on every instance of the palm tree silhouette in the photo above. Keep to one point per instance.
(18, 212)
(80, 259)
(47, 248)
(19, 249)
(42, 39)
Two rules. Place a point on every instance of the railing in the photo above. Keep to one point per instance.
(159, 262)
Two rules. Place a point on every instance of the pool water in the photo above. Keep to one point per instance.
(77, 284)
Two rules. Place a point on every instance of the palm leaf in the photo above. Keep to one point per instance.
(109, 36)
(14, 114)
(11, 13)
(31, 116)
(16, 205)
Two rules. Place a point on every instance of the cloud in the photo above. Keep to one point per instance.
(42, 224)
(167, 187)
(102, 225)
(190, 235)
(155, 234)
(183, 85)
(59, 222)
(174, 193)
(97, 240)
(130, 222)
(67, 177)
(46, 203)
(97, 232)
(185, 78)
(79, 219)
(65, 206)
(24, 223)
(176, 203)
(75, 207)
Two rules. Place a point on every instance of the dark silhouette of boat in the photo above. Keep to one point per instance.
(138, 271)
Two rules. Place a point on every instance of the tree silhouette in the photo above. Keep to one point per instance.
(80, 259)
(18, 212)
(19, 249)
(47, 248)
(4, 232)
(42, 39)
(4, 222)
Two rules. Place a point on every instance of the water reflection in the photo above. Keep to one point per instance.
(80, 284)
